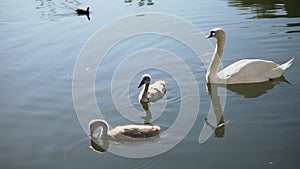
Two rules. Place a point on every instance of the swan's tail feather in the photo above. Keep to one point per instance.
(287, 64)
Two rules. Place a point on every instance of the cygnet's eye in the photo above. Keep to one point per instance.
(213, 33)
(146, 79)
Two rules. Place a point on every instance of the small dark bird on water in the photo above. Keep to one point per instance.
(84, 12)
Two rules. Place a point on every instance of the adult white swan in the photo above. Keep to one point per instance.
(243, 71)
(153, 92)
(122, 133)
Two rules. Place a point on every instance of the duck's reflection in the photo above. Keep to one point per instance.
(54, 10)
(148, 117)
(140, 2)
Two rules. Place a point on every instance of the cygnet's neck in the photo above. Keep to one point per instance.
(103, 124)
(145, 93)
(211, 75)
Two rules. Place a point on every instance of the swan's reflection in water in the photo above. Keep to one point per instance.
(255, 89)
(215, 122)
(218, 124)
(219, 130)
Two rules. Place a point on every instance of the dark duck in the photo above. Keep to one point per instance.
(84, 12)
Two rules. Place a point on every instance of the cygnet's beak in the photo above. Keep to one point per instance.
(209, 36)
(141, 84)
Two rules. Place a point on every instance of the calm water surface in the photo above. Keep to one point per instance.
(41, 40)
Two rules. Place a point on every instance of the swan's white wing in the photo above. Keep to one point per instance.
(248, 70)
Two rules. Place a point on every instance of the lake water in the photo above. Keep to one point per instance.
(40, 43)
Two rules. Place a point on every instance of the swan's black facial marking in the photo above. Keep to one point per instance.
(211, 34)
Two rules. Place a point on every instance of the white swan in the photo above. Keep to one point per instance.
(122, 133)
(243, 71)
(153, 92)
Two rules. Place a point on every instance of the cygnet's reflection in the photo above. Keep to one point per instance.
(148, 117)
(99, 145)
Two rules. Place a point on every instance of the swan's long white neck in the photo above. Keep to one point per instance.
(211, 75)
